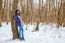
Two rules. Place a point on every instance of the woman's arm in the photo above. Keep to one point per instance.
(21, 19)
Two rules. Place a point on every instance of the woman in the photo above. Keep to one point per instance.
(18, 22)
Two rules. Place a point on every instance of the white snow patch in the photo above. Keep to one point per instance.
(48, 33)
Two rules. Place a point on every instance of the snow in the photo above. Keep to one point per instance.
(48, 33)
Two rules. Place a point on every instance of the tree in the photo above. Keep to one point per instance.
(38, 16)
(64, 14)
(7, 13)
(58, 14)
(0, 11)
(14, 27)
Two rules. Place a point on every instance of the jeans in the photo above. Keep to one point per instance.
(21, 32)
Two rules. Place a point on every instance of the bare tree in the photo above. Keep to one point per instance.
(0, 11)
(13, 24)
(38, 16)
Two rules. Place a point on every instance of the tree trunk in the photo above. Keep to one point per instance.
(39, 16)
(58, 17)
(7, 14)
(37, 27)
(0, 11)
(13, 24)
(64, 15)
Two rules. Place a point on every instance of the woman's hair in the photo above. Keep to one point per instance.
(16, 12)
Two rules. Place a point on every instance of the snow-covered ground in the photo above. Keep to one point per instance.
(46, 34)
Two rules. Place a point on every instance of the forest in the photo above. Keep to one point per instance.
(45, 11)
(33, 12)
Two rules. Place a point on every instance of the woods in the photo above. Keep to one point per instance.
(45, 11)
(24, 21)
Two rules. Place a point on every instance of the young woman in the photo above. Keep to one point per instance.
(18, 21)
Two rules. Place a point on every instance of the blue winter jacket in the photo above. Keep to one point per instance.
(17, 20)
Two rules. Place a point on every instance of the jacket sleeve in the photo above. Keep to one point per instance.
(16, 18)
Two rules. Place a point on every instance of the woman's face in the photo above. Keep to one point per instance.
(18, 12)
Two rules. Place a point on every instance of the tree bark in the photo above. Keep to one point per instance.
(39, 16)
(13, 24)
(0, 11)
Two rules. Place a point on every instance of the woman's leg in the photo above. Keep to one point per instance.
(21, 33)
